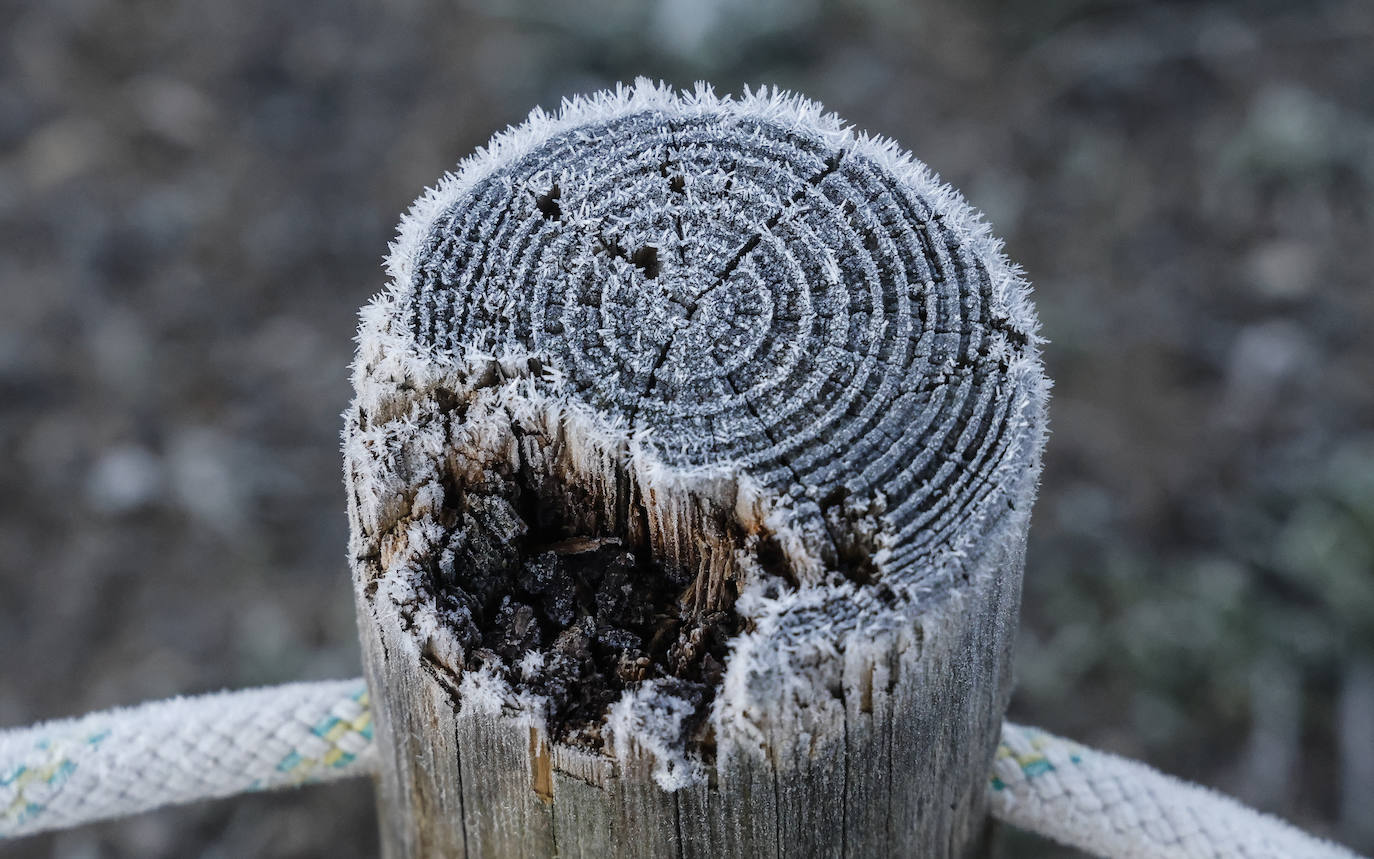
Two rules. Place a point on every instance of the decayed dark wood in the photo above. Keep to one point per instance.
(690, 470)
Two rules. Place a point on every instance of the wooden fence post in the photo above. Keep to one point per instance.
(690, 470)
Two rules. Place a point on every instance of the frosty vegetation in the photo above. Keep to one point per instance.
(675, 412)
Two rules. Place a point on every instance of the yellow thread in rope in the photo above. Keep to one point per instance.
(331, 729)
(1033, 761)
(45, 778)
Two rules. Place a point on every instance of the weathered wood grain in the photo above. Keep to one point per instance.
(776, 379)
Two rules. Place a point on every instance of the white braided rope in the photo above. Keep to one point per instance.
(120, 762)
(1113, 807)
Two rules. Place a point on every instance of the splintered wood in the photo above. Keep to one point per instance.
(690, 469)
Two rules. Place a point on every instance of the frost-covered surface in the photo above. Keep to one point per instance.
(654, 720)
(737, 305)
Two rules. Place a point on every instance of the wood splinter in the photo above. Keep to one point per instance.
(690, 469)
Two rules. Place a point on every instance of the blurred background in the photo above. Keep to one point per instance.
(195, 199)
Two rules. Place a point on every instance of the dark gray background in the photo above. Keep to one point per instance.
(195, 199)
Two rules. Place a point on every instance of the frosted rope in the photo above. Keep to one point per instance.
(1113, 807)
(120, 762)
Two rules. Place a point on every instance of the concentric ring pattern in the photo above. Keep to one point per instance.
(747, 293)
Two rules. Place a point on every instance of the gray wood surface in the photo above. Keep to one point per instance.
(778, 366)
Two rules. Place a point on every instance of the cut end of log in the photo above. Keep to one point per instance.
(682, 422)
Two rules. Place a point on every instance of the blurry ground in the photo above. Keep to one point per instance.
(194, 200)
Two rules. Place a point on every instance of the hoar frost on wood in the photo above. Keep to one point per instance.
(690, 469)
